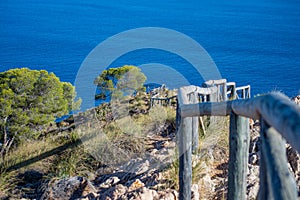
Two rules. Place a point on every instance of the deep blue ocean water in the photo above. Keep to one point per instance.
(252, 42)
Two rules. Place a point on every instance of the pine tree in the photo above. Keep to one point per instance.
(118, 82)
(30, 99)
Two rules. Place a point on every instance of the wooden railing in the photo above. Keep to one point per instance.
(161, 101)
(279, 118)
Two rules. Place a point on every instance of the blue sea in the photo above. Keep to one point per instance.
(251, 42)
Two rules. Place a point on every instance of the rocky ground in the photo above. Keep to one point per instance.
(140, 178)
(144, 178)
(144, 182)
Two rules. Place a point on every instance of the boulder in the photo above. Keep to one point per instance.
(70, 188)
(110, 182)
(114, 193)
(136, 185)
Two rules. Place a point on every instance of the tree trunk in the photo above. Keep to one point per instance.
(10, 142)
(6, 141)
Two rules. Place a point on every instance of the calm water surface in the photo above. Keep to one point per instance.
(252, 42)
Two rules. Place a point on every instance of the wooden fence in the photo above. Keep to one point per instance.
(159, 97)
(161, 101)
(280, 120)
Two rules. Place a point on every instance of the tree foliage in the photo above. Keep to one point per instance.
(120, 81)
(29, 99)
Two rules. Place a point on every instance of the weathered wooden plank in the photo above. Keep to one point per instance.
(214, 97)
(239, 139)
(218, 93)
(185, 158)
(263, 192)
(211, 83)
(243, 94)
(206, 91)
(195, 124)
(275, 108)
(221, 88)
(206, 108)
(281, 184)
(230, 84)
(199, 90)
(232, 92)
(204, 98)
(244, 90)
(249, 93)
(224, 90)
(246, 87)
(185, 148)
(178, 116)
(246, 107)
(182, 95)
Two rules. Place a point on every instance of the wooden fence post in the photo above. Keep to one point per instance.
(195, 124)
(276, 109)
(249, 93)
(185, 149)
(263, 193)
(213, 97)
(224, 91)
(230, 88)
(178, 116)
(185, 158)
(233, 92)
(239, 138)
(243, 94)
(280, 182)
